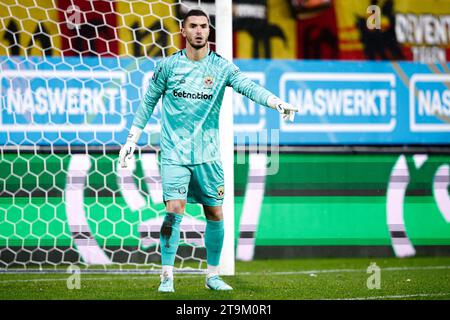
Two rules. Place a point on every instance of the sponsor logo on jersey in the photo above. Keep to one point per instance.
(190, 95)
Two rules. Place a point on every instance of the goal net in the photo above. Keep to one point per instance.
(72, 75)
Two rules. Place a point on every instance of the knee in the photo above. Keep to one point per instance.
(213, 213)
(175, 206)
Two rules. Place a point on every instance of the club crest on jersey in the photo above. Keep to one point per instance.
(208, 82)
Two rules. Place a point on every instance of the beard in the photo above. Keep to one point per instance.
(197, 46)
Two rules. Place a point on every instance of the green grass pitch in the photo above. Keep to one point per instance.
(325, 278)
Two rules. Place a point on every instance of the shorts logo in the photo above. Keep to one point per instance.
(208, 82)
(220, 192)
(182, 190)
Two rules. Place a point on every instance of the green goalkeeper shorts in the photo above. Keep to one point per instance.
(198, 183)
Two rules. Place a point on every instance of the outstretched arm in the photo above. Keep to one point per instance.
(243, 85)
(287, 110)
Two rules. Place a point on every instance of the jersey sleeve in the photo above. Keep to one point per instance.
(243, 85)
(154, 91)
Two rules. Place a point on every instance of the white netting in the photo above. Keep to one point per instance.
(72, 75)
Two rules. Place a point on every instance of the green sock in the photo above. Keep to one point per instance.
(213, 241)
(170, 237)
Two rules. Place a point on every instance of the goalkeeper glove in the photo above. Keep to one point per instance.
(128, 149)
(285, 109)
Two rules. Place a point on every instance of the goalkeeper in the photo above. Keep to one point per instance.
(192, 83)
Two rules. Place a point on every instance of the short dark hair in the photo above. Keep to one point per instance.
(195, 12)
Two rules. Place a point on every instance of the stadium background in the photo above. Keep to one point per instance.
(343, 187)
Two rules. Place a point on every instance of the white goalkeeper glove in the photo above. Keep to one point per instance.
(126, 152)
(285, 109)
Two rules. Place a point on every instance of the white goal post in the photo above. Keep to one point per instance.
(224, 45)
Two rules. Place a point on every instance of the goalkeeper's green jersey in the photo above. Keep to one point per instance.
(192, 93)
